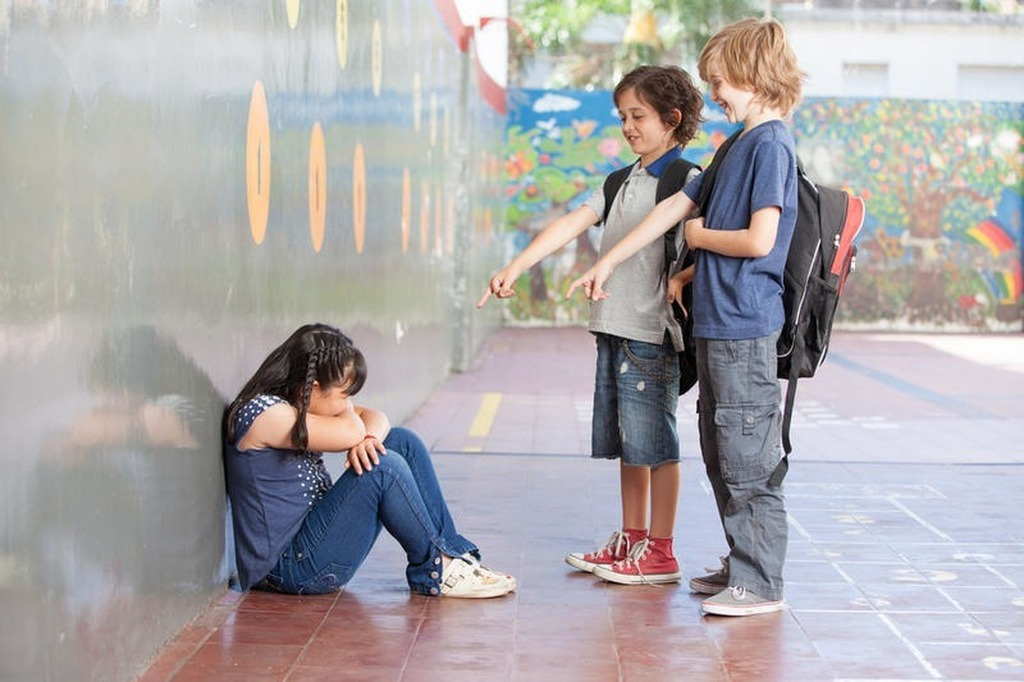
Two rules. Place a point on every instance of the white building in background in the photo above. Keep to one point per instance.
(916, 49)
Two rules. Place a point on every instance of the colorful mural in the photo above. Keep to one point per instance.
(944, 184)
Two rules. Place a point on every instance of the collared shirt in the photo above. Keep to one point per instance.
(637, 306)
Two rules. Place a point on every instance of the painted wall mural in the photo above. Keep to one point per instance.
(944, 184)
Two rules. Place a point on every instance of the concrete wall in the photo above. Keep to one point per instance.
(182, 184)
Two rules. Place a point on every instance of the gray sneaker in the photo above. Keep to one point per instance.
(739, 601)
(714, 582)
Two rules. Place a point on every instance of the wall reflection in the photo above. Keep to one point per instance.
(121, 510)
(133, 295)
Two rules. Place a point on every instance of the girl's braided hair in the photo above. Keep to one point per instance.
(314, 352)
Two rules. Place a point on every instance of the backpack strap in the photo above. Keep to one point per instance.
(708, 182)
(787, 412)
(797, 356)
(671, 180)
(611, 186)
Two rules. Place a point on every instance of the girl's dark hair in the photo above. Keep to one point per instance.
(314, 352)
(667, 89)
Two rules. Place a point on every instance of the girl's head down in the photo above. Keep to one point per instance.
(670, 92)
(315, 354)
(755, 55)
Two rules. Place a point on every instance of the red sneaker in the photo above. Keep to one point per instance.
(615, 549)
(650, 562)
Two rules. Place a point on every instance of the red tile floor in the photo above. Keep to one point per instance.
(906, 557)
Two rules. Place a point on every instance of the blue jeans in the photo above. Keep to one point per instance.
(739, 419)
(636, 393)
(401, 495)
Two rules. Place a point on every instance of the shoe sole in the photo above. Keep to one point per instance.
(728, 610)
(703, 587)
(499, 590)
(490, 594)
(578, 562)
(623, 579)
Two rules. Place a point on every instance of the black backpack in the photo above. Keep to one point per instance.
(821, 256)
(671, 180)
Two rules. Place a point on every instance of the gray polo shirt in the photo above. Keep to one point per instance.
(637, 307)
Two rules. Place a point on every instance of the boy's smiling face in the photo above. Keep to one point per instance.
(738, 103)
(647, 135)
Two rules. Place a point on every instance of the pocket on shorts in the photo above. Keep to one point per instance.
(748, 441)
(652, 360)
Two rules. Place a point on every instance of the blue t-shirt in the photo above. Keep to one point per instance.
(271, 492)
(741, 298)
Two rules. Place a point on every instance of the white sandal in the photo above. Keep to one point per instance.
(467, 579)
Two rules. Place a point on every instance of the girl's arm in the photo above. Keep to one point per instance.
(553, 237)
(664, 215)
(365, 455)
(273, 429)
(755, 241)
(377, 423)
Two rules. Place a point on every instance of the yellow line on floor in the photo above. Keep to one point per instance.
(481, 425)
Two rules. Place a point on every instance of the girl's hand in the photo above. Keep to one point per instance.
(365, 455)
(501, 285)
(592, 281)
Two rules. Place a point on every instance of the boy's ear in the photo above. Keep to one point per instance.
(675, 117)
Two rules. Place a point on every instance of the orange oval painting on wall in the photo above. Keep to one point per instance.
(406, 208)
(257, 163)
(359, 197)
(424, 216)
(317, 187)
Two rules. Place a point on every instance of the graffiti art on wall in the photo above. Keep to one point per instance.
(941, 248)
(943, 182)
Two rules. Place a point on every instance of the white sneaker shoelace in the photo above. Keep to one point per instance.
(738, 593)
(637, 553)
(613, 546)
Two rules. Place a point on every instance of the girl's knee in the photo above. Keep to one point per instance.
(400, 438)
(405, 442)
(395, 466)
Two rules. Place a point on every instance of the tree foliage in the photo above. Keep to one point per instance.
(656, 31)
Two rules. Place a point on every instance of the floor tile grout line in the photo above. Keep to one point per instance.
(312, 636)
(922, 659)
(412, 645)
(227, 610)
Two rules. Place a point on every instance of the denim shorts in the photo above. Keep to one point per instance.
(636, 393)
